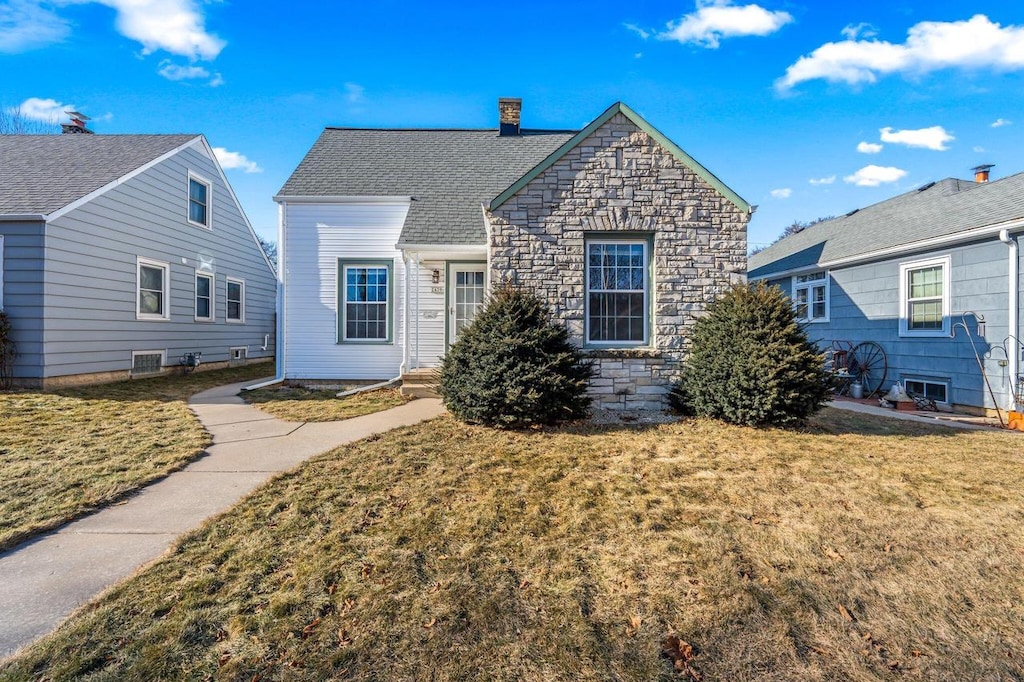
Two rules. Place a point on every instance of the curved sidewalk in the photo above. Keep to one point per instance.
(43, 580)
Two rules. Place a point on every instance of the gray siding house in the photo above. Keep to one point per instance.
(929, 275)
(121, 253)
(390, 240)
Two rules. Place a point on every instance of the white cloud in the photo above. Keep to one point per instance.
(979, 150)
(177, 72)
(1000, 122)
(717, 19)
(175, 26)
(930, 46)
(783, 193)
(354, 93)
(823, 181)
(645, 34)
(45, 110)
(868, 147)
(27, 25)
(934, 138)
(231, 160)
(216, 81)
(873, 176)
(861, 30)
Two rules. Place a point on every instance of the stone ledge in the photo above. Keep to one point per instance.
(624, 353)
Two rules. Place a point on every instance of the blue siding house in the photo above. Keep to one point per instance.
(929, 275)
(121, 253)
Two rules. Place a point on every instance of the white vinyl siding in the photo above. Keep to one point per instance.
(200, 200)
(152, 288)
(925, 297)
(811, 297)
(316, 236)
(205, 299)
(235, 300)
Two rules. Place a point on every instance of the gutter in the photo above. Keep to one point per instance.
(22, 218)
(1013, 312)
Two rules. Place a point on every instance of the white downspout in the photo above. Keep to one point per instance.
(418, 287)
(1013, 310)
(405, 317)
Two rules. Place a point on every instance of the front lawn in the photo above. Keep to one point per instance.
(859, 548)
(298, 404)
(64, 453)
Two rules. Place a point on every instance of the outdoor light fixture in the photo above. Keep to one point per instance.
(435, 276)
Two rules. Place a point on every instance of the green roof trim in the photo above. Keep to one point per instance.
(639, 122)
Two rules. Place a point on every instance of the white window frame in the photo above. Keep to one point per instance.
(935, 382)
(648, 291)
(241, 304)
(824, 282)
(163, 362)
(213, 296)
(166, 267)
(208, 225)
(346, 264)
(905, 269)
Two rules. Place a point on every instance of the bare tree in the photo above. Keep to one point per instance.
(796, 227)
(270, 248)
(14, 122)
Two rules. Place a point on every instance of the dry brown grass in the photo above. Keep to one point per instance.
(65, 453)
(853, 550)
(298, 404)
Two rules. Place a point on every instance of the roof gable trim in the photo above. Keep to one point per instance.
(119, 181)
(639, 122)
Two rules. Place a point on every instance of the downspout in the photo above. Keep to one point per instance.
(405, 317)
(278, 304)
(1013, 310)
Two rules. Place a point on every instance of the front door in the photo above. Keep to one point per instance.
(466, 289)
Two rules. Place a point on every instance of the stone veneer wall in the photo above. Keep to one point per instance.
(620, 181)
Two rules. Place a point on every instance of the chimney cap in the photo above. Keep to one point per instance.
(77, 114)
(983, 167)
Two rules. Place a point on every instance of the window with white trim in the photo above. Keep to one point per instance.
(811, 297)
(204, 297)
(618, 293)
(152, 287)
(935, 390)
(200, 194)
(365, 302)
(925, 297)
(235, 300)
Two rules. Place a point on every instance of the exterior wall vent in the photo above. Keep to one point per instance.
(238, 356)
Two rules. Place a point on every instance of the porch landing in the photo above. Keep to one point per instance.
(420, 383)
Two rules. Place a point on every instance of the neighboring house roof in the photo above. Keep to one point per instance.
(448, 173)
(940, 209)
(40, 174)
(639, 122)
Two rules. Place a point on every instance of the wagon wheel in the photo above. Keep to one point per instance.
(869, 364)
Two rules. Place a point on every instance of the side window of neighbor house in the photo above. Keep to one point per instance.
(200, 192)
(365, 309)
(204, 297)
(235, 300)
(618, 293)
(153, 283)
(924, 297)
(810, 297)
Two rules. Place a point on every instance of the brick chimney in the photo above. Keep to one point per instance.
(509, 112)
(77, 125)
(981, 172)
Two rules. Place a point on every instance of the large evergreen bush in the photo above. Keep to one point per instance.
(513, 366)
(751, 362)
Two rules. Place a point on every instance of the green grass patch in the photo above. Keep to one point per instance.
(856, 548)
(65, 453)
(298, 404)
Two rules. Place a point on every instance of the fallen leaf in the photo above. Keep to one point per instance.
(846, 614)
(366, 570)
(523, 584)
(833, 554)
(343, 637)
(224, 658)
(308, 630)
(917, 654)
(888, 548)
(635, 622)
(429, 624)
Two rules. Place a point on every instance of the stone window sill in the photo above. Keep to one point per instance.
(623, 353)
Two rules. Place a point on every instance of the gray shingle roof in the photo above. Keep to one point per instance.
(42, 173)
(448, 173)
(943, 209)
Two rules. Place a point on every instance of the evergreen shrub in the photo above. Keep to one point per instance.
(514, 367)
(751, 361)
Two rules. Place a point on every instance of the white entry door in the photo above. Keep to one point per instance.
(466, 289)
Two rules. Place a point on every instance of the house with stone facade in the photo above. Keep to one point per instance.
(390, 239)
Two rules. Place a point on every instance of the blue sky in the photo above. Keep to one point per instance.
(805, 108)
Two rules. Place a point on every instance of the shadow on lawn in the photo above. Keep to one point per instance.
(170, 387)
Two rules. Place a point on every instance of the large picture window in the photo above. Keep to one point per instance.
(365, 302)
(152, 284)
(618, 291)
(924, 297)
(810, 297)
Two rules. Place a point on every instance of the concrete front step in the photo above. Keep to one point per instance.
(419, 383)
(419, 391)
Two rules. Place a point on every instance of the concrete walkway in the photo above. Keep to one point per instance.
(43, 580)
(933, 418)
